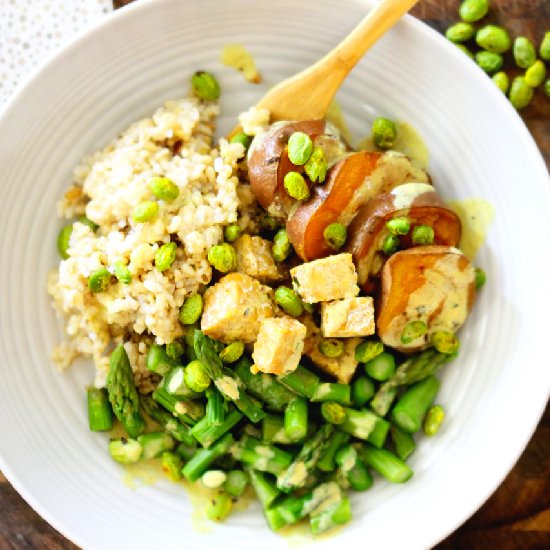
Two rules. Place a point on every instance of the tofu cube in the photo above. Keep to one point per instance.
(327, 279)
(234, 308)
(342, 368)
(279, 346)
(254, 258)
(348, 317)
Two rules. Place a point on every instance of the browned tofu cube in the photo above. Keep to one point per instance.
(254, 258)
(234, 308)
(279, 346)
(348, 317)
(330, 278)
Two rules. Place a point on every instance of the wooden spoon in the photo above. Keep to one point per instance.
(308, 94)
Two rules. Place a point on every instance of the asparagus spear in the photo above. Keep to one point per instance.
(327, 391)
(125, 451)
(295, 420)
(403, 442)
(266, 489)
(170, 403)
(325, 518)
(236, 483)
(365, 424)
(154, 444)
(337, 440)
(354, 471)
(273, 430)
(171, 465)
(122, 391)
(215, 407)
(203, 458)
(100, 416)
(264, 386)
(302, 381)
(174, 383)
(296, 474)
(258, 456)
(386, 464)
(171, 424)
(226, 382)
(206, 433)
(412, 370)
(187, 451)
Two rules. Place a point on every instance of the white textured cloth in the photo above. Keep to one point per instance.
(31, 30)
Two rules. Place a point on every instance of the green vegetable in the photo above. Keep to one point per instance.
(353, 469)
(167, 420)
(445, 342)
(174, 350)
(235, 483)
(299, 148)
(99, 280)
(390, 244)
(423, 234)
(465, 50)
(122, 391)
(333, 412)
(335, 235)
(460, 32)
(545, 47)
(122, 273)
(302, 381)
(191, 310)
(265, 489)
(281, 247)
(403, 442)
(330, 347)
(493, 39)
(207, 433)
(398, 226)
(412, 331)
(289, 301)
(413, 404)
(379, 434)
(480, 277)
(172, 465)
(381, 367)
(273, 430)
(232, 232)
(155, 443)
(205, 86)
(100, 417)
(386, 464)
(63, 239)
(125, 451)
(535, 74)
(86, 221)
(366, 425)
(296, 186)
(490, 62)
(145, 211)
(502, 81)
(524, 52)
(433, 420)
(175, 406)
(473, 10)
(165, 256)
(316, 167)
(295, 419)
(215, 407)
(547, 88)
(174, 383)
(368, 350)
(203, 458)
(337, 439)
(164, 189)
(323, 519)
(362, 391)
(330, 391)
(243, 139)
(158, 361)
(269, 223)
(259, 456)
(196, 377)
(223, 257)
(187, 451)
(520, 93)
(232, 352)
(384, 133)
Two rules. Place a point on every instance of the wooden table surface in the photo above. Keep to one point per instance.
(517, 515)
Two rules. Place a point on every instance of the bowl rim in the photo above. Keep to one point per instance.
(479, 497)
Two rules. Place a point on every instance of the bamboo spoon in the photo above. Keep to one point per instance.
(308, 94)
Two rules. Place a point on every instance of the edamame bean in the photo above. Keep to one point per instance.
(384, 133)
(333, 412)
(174, 350)
(296, 186)
(335, 235)
(412, 331)
(331, 347)
(99, 280)
(398, 226)
(390, 244)
(493, 39)
(433, 419)
(465, 50)
(423, 234)
(232, 232)
(445, 342)
(165, 256)
(195, 376)
(535, 74)
(242, 138)
(122, 273)
(524, 52)
(219, 507)
(490, 62)
(316, 166)
(502, 81)
(63, 239)
(87, 221)
(281, 246)
(547, 88)
(164, 189)
(232, 352)
(205, 86)
(191, 310)
(299, 148)
(289, 301)
(520, 93)
(544, 50)
(145, 211)
(460, 32)
(473, 10)
(223, 257)
(368, 350)
(480, 277)
(269, 223)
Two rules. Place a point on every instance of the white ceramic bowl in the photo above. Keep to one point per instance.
(119, 72)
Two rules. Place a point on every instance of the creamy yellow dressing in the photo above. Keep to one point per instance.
(238, 57)
(476, 216)
(146, 472)
(335, 116)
